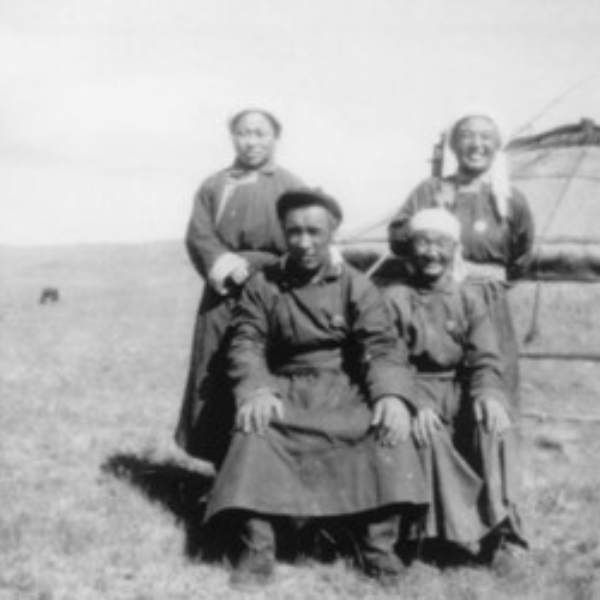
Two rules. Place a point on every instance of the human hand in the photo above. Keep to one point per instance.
(256, 413)
(229, 269)
(392, 420)
(492, 413)
(240, 274)
(425, 424)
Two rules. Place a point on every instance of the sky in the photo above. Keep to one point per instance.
(112, 112)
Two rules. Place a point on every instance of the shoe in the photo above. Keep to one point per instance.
(442, 554)
(254, 569)
(386, 570)
(378, 558)
(507, 560)
(500, 555)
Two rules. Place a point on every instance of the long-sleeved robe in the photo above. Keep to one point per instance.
(234, 214)
(329, 350)
(488, 240)
(453, 349)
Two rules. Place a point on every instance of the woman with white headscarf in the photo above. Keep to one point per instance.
(496, 222)
(460, 398)
(233, 232)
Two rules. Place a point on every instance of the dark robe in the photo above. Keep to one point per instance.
(487, 239)
(454, 350)
(234, 212)
(328, 349)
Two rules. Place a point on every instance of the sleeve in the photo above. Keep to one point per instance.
(483, 364)
(383, 354)
(522, 236)
(248, 369)
(421, 197)
(290, 180)
(206, 250)
(398, 298)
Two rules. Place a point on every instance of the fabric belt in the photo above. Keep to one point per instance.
(444, 375)
(312, 362)
(482, 271)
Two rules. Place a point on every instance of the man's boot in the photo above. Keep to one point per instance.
(256, 564)
(380, 560)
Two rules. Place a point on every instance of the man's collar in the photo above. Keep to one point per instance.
(328, 272)
(441, 287)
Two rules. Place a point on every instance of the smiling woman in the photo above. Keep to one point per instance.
(497, 229)
(475, 141)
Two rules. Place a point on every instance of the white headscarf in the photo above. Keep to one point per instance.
(435, 219)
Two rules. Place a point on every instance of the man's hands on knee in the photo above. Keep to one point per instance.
(255, 414)
(425, 424)
(391, 418)
(492, 414)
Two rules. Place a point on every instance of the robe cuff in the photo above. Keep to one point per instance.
(412, 409)
(248, 395)
(222, 268)
(493, 393)
(423, 402)
(395, 386)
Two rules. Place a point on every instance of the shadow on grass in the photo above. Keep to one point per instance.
(180, 490)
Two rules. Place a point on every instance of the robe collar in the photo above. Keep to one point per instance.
(238, 170)
(449, 186)
(444, 287)
(329, 272)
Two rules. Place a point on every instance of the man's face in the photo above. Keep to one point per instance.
(432, 253)
(254, 140)
(308, 234)
(475, 143)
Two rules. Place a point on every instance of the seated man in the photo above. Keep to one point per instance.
(463, 424)
(322, 386)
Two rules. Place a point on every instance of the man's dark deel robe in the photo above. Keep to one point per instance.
(453, 348)
(487, 238)
(234, 212)
(328, 349)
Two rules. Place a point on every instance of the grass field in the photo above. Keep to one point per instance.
(98, 504)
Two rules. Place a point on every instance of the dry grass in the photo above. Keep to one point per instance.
(98, 504)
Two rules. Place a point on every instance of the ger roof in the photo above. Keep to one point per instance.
(559, 173)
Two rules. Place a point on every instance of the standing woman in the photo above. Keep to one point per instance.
(233, 231)
(497, 227)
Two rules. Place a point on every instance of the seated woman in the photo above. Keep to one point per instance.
(322, 388)
(461, 395)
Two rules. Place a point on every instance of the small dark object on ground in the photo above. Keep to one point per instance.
(49, 295)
